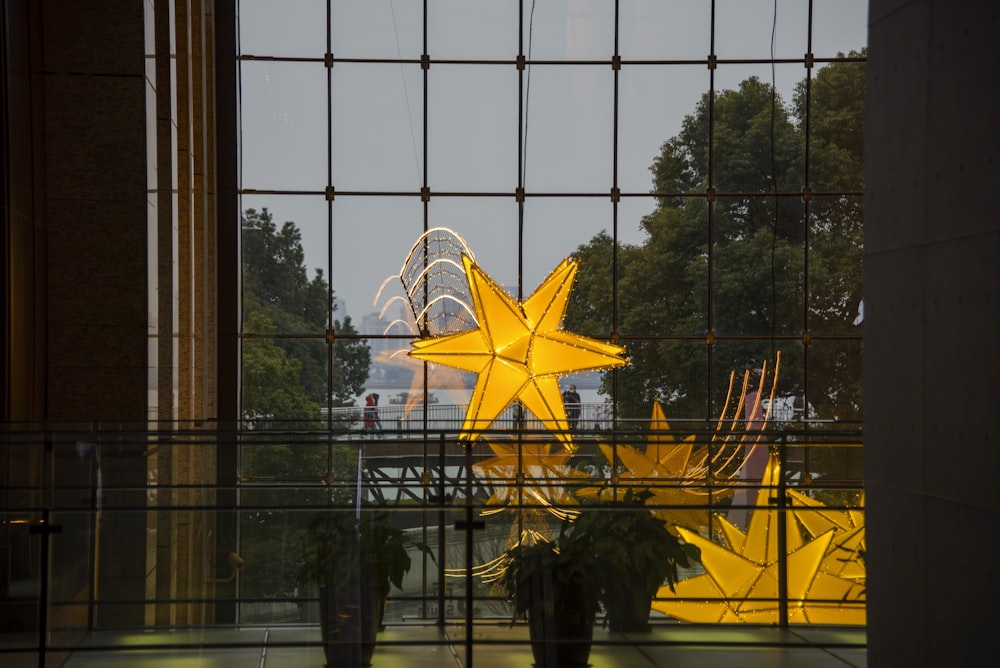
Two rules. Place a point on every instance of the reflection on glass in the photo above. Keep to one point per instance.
(376, 126)
(472, 119)
(472, 29)
(750, 29)
(285, 105)
(664, 30)
(292, 29)
(569, 135)
(581, 30)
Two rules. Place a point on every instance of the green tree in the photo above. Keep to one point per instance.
(733, 263)
(272, 386)
(287, 459)
(276, 285)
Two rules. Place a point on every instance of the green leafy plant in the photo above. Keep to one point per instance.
(567, 566)
(635, 554)
(556, 585)
(354, 558)
(337, 544)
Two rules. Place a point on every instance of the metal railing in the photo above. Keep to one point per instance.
(123, 527)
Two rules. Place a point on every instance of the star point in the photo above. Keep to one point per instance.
(740, 582)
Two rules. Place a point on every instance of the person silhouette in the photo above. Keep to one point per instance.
(371, 419)
(571, 399)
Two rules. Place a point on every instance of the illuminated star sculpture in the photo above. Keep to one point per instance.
(843, 557)
(741, 579)
(547, 476)
(673, 470)
(519, 351)
(684, 477)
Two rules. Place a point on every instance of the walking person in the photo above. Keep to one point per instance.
(571, 399)
(372, 421)
(517, 411)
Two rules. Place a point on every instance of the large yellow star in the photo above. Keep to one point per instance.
(740, 583)
(547, 476)
(518, 350)
(674, 471)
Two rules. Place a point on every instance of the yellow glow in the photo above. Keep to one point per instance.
(842, 558)
(669, 463)
(545, 475)
(518, 350)
(681, 468)
(743, 573)
(438, 377)
(532, 528)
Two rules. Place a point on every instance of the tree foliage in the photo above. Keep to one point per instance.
(272, 385)
(277, 287)
(289, 373)
(724, 258)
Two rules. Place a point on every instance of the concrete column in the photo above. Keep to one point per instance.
(932, 331)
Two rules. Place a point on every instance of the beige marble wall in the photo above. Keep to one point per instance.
(181, 541)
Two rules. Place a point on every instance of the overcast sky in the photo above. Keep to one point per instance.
(472, 119)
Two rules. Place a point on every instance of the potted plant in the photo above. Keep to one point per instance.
(354, 557)
(556, 585)
(636, 554)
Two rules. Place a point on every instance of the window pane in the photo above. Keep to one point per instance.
(835, 265)
(472, 128)
(296, 29)
(377, 127)
(652, 105)
(744, 29)
(673, 371)
(785, 76)
(632, 212)
(387, 30)
(664, 29)
(308, 213)
(553, 230)
(757, 267)
(371, 238)
(664, 289)
(839, 26)
(569, 135)
(284, 121)
(284, 379)
(489, 227)
(472, 29)
(834, 380)
(574, 30)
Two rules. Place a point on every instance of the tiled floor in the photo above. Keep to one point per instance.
(494, 646)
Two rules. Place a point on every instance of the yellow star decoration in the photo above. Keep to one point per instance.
(547, 476)
(544, 477)
(438, 377)
(740, 583)
(674, 471)
(519, 351)
(678, 472)
(843, 556)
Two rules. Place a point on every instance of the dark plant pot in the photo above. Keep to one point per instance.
(350, 619)
(560, 624)
(560, 641)
(630, 612)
